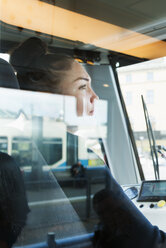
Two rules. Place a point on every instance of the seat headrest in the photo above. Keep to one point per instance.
(7, 77)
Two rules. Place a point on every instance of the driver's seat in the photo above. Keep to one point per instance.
(8, 78)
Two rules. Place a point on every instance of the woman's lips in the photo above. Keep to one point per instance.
(91, 112)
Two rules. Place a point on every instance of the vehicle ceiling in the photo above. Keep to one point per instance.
(144, 16)
(137, 27)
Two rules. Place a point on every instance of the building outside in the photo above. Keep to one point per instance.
(149, 80)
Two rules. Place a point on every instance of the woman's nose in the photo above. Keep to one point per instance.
(94, 96)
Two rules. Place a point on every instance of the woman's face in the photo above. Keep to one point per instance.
(77, 82)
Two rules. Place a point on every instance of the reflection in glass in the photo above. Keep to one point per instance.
(45, 147)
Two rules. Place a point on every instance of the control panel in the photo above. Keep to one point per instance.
(152, 191)
(150, 199)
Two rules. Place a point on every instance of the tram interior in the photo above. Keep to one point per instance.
(44, 135)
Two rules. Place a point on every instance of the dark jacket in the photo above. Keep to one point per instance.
(121, 224)
(13, 202)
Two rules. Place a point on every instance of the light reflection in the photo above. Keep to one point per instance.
(19, 123)
(106, 85)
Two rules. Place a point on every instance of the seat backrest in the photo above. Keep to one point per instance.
(7, 76)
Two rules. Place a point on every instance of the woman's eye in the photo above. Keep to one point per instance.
(82, 87)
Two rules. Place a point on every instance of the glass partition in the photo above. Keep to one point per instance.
(40, 131)
(64, 145)
(63, 158)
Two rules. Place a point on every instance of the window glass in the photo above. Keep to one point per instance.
(150, 76)
(39, 142)
(48, 139)
(154, 97)
(22, 151)
(52, 150)
(128, 98)
(3, 144)
(128, 78)
(149, 96)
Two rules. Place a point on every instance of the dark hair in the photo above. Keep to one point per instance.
(36, 68)
(13, 202)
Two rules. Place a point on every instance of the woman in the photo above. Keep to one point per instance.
(39, 70)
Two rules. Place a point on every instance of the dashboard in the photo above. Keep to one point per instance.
(150, 199)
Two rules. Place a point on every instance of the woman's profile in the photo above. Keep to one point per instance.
(39, 70)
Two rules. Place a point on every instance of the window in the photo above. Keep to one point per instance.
(128, 98)
(128, 78)
(22, 151)
(54, 200)
(52, 150)
(150, 76)
(150, 96)
(3, 144)
(155, 101)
